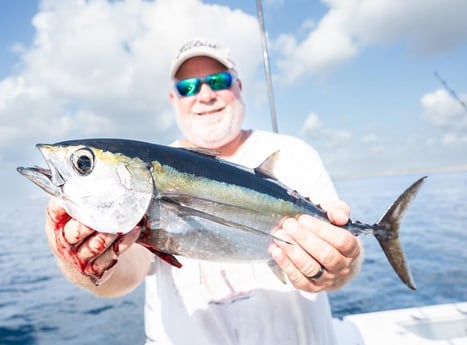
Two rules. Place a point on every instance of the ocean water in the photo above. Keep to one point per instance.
(433, 235)
(39, 306)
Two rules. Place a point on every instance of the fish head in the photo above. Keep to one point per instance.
(103, 190)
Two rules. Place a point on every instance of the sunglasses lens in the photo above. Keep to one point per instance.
(219, 81)
(188, 87)
(191, 86)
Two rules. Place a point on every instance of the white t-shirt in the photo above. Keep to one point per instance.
(206, 303)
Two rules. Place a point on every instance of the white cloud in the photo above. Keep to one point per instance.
(101, 68)
(325, 47)
(454, 138)
(369, 138)
(425, 26)
(311, 125)
(443, 111)
(446, 113)
(330, 138)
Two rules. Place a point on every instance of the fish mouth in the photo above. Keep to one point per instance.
(50, 180)
(52, 173)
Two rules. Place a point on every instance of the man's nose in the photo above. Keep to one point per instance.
(206, 93)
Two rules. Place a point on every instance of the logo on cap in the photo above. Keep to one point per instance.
(195, 44)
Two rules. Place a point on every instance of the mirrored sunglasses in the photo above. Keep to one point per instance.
(216, 81)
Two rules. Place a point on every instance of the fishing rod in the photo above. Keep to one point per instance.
(267, 69)
(451, 91)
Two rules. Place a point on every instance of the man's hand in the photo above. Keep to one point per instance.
(88, 253)
(323, 256)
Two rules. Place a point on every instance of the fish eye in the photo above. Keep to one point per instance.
(83, 161)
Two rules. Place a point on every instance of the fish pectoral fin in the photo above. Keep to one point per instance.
(176, 201)
(177, 198)
(146, 240)
(169, 258)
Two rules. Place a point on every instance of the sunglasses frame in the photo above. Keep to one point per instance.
(207, 79)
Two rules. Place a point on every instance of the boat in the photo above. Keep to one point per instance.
(443, 324)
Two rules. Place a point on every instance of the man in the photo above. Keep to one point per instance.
(214, 303)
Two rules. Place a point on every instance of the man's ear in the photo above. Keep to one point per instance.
(239, 84)
(172, 96)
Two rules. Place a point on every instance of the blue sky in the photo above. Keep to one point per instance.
(354, 78)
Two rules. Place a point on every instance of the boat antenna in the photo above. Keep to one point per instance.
(451, 91)
(267, 69)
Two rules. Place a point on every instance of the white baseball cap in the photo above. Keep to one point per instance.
(202, 47)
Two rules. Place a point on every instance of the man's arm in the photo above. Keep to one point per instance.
(107, 265)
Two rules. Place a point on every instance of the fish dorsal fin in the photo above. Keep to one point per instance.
(266, 168)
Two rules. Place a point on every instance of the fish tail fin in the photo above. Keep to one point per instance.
(387, 233)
